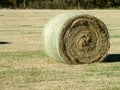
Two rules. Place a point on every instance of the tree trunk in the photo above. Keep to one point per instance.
(24, 3)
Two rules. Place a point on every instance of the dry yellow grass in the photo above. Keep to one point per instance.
(23, 28)
(23, 65)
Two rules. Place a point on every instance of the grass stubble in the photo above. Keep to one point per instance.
(24, 66)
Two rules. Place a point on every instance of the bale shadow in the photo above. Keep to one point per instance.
(112, 58)
(3, 42)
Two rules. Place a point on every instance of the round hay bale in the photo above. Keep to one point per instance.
(76, 38)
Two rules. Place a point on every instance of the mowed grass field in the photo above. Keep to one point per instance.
(24, 66)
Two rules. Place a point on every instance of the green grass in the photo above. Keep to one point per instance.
(115, 36)
(22, 55)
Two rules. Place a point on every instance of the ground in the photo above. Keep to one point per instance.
(24, 66)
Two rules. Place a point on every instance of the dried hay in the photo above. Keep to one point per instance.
(76, 38)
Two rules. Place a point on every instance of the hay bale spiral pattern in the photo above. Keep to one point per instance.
(76, 38)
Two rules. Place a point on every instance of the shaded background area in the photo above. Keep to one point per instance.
(60, 4)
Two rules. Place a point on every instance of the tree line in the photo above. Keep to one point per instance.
(59, 4)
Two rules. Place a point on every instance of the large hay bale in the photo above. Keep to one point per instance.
(76, 38)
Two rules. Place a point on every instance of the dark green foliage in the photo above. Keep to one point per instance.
(5, 3)
(100, 3)
(60, 4)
